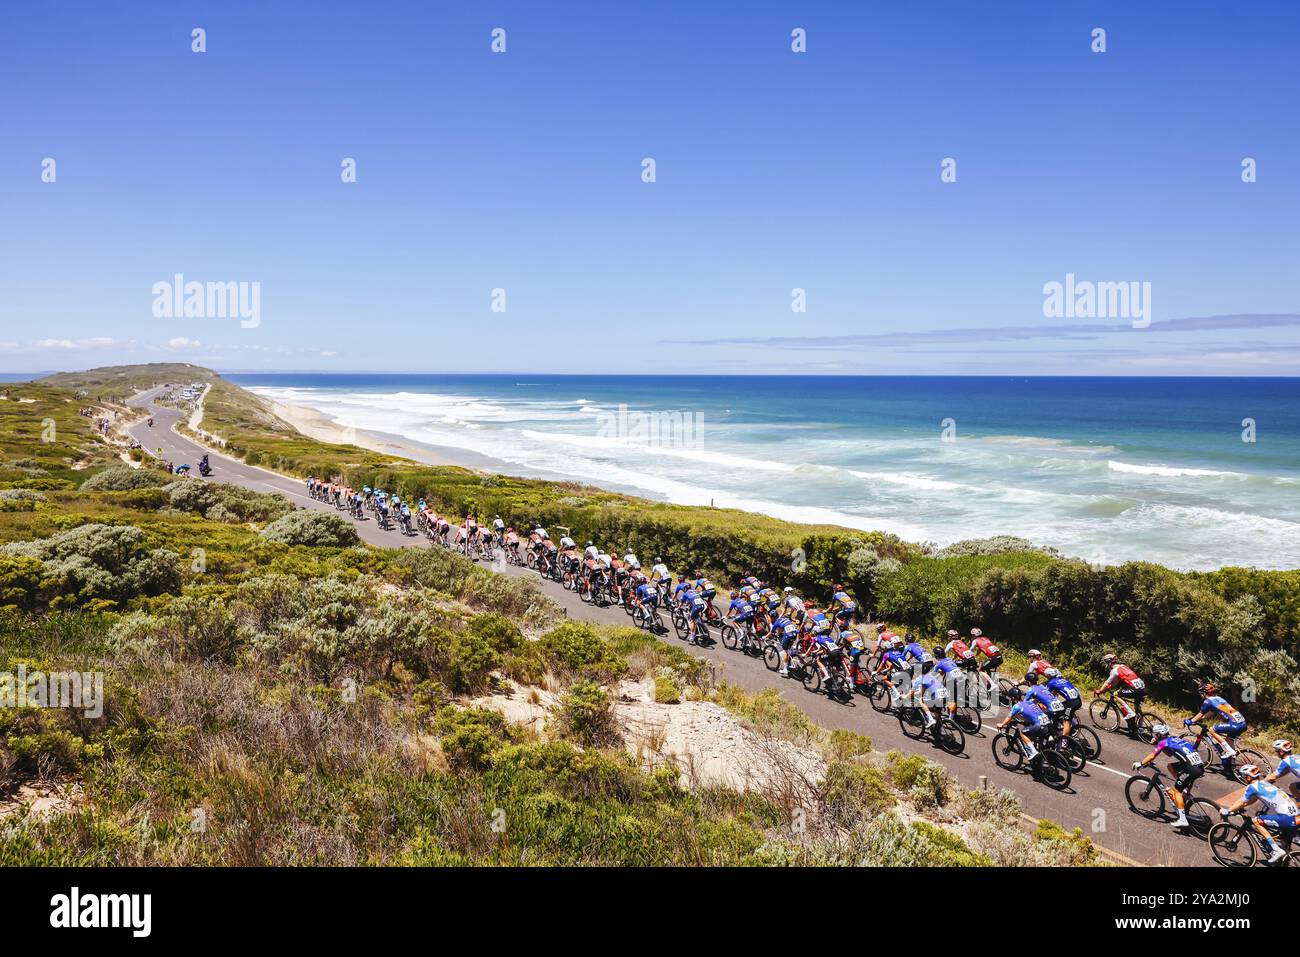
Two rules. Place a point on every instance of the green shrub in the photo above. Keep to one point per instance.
(584, 716)
(319, 529)
(123, 478)
(470, 736)
(96, 562)
(578, 648)
(666, 690)
(851, 794)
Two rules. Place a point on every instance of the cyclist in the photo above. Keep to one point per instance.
(991, 652)
(1289, 764)
(405, 512)
(1043, 697)
(693, 605)
(1069, 695)
(645, 595)
(659, 571)
(844, 606)
(741, 612)
(1038, 665)
(1282, 811)
(916, 652)
(1227, 731)
(792, 603)
(1031, 721)
(787, 631)
(926, 690)
(1185, 768)
(1125, 682)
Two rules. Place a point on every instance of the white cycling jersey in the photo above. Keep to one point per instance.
(661, 571)
(567, 542)
(630, 561)
(1276, 801)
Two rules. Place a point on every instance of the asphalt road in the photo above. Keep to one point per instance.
(1095, 801)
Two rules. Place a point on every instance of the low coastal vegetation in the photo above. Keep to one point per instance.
(1238, 626)
(292, 698)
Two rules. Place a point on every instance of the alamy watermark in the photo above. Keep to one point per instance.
(54, 689)
(1084, 299)
(179, 299)
(680, 430)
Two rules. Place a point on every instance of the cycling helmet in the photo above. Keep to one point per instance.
(735, 594)
(939, 652)
(1159, 730)
(788, 590)
(1052, 673)
(1249, 772)
(975, 633)
(589, 544)
(1031, 677)
(1108, 659)
(837, 587)
(1282, 746)
(953, 633)
(1015, 692)
(658, 560)
(1205, 687)
(1034, 654)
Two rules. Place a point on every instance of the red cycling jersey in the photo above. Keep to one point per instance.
(1127, 675)
(1040, 667)
(959, 649)
(989, 649)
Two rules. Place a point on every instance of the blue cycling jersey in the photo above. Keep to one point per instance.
(1063, 688)
(741, 608)
(1289, 764)
(946, 666)
(915, 650)
(1216, 704)
(1180, 749)
(1043, 698)
(896, 658)
(1030, 713)
(647, 593)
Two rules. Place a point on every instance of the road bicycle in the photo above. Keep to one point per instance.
(1149, 797)
(943, 731)
(1046, 765)
(1238, 844)
(1212, 754)
(1106, 713)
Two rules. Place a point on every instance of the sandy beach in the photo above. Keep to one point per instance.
(315, 424)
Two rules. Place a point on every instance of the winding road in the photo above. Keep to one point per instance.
(1095, 802)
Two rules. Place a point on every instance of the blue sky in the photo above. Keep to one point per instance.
(775, 171)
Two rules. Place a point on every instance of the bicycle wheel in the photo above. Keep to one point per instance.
(679, 624)
(1144, 724)
(1087, 739)
(911, 723)
(1053, 771)
(949, 736)
(811, 677)
(729, 637)
(1007, 753)
(702, 632)
(1071, 754)
(772, 657)
(1246, 756)
(968, 719)
(1004, 690)
(1145, 796)
(1231, 845)
(1202, 814)
(1103, 715)
(878, 696)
